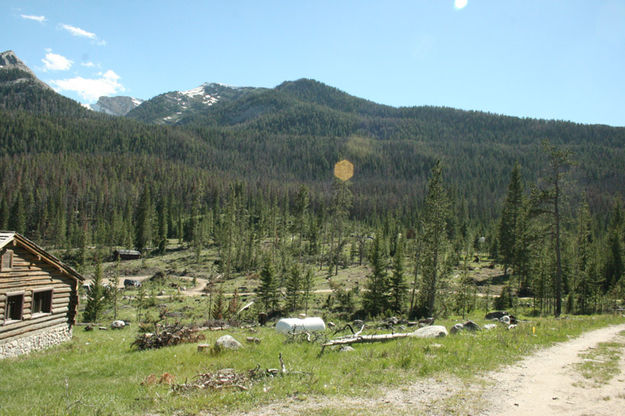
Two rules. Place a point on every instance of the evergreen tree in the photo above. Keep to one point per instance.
(293, 287)
(434, 241)
(143, 220)
(307, 287)
(548, 201)
(614, 265)
(163, 222)
(218, 308)
(95, 295)
(376, 298)
(508, 224)
(17, 216)
(341, 206)
(268, 286)
(583, 256)
(398, 284)
(4, 214)
(302, 201)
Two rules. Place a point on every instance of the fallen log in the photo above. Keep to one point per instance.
(426, 332)
(357, 339)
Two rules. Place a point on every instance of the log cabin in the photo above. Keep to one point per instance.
(38, 297)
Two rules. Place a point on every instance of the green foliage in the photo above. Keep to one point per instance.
(397, 284)
(293, 287)
(376, 299)
(434, 242)
(268, 291)
(96, 299)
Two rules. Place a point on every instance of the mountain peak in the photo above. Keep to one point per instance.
(22, 73)
(116, 106)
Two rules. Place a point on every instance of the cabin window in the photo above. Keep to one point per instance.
(6, 263)
(15, 306)
(42, 301)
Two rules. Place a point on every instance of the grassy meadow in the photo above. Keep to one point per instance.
(99, 373)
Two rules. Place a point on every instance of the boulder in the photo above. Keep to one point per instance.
(456, 328)
(471, 326)
(512, 326)
(434, 331)
(347, 348)
(488, 327)
(118, 324)
(495, 315)
(227, 342)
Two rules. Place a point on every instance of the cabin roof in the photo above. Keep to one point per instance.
(6, 237)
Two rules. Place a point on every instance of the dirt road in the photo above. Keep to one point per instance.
(545, 383)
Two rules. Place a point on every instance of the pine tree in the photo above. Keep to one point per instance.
(548, 201)
(143, 220)
(95, 295)
(508, 225)
(614, 265)
(376, 298)
(218, 308)
(17, 216)
(4, 214)
(162, 217)
(434, 242)
(583, 256)
(398, 284)
(341, 206)
(268, 286)
(293, 287)
(307, 287)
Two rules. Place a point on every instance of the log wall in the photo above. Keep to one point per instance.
(30, 273)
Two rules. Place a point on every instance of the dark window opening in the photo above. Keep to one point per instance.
(15, 304)
(42, 302)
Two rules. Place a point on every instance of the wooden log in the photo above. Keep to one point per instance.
(27, 284)
(23, 327)
(356, 339)
(33, 328)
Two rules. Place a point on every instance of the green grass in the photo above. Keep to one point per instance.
(98, 373)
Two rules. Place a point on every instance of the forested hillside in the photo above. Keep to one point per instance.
(242, 166)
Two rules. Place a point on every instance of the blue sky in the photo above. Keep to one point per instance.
(554, 59)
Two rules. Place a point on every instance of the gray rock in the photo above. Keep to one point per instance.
(119, 324)
(512, 326)
(488, 327)
(227, 342)
(495, 314)
(434, 331)
(471, 326)
(456, 328)
(346, 348)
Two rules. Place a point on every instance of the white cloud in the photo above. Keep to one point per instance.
(76, 31)
(90, 89)
(39, 19)
(56, 62)
(87, 64)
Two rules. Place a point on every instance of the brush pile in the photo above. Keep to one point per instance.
(165, 336)
(221, 379)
